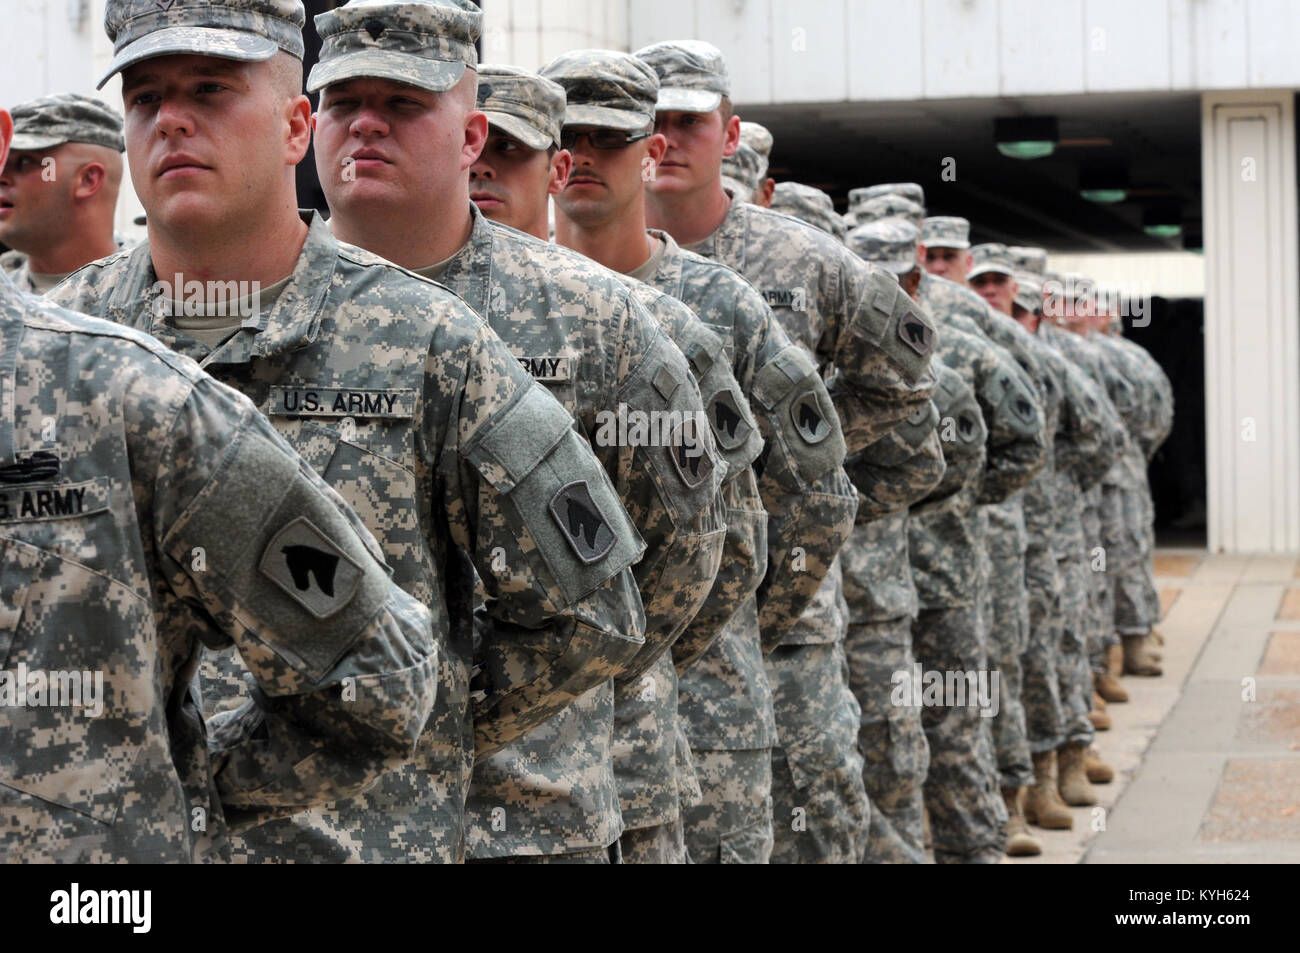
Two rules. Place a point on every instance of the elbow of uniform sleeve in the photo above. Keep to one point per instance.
(803, 540)
(597, 638)
(336, 738)
(676, 587)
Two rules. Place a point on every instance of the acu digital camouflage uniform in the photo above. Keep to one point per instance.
(898, 470)
(726, 704)
(1070, 542)
(725, 699)
(418, 415)
(857, 319)
(48, 123)
(147, 510)
(953, 625)
(545, 300)
(578, 330)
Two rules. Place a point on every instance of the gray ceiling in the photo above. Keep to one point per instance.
(839, 146)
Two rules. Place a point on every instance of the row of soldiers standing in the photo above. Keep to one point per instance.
(893, 469)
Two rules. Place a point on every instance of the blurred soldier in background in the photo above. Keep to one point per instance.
(58, 190)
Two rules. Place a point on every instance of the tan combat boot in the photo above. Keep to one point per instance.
(1115, 658)
(1100, 720)
(1157, 637)
(1043, 804)
(1020, 842)
(1136, 659)
(1098, 771)
(1073, 783)
(1109, 688)
(1152, 647)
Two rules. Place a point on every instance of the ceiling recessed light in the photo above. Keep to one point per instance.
(1025, 137)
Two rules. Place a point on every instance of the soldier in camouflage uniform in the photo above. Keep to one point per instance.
(882, 600)
(809, 205)
(148, 510)
(555, 793)
(1086, 387)
(1136, 600)
(744, 172)
(848, 315)
(954, 625)
(58, 189)
(400, 396)
(725, 700)
(1028, 662)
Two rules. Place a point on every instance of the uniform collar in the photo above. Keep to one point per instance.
(291, 323)
(469, 271)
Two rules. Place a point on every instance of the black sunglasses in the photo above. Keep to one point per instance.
(603, 138)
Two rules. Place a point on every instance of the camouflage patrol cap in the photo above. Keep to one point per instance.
(692, 75)
(522, 104)
(808, 204)
(758, 138)
(990, 257)
(53, 120)
(247, 30)
(891, 244)
(605, 88)
(422, 43)
(888, 206)
(740, 172)
(908, 190)
(1028, 259)
(1029, 292)
(945, 231)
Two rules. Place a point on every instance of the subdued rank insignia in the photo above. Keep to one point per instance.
(1023, 408)
(41, 465)
(311, 568)
(915, 333)
(375, 28)
(808, 418)
(582, 522)
(918, 415)
(729, 427)
(965, 428)
(689, 455)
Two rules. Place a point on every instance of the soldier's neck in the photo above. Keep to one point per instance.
(408, 240)
(264, 253)
(620, 244)
(689, 217)
(75, 249)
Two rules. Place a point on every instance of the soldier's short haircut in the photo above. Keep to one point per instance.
(725, 108)
(286, 73)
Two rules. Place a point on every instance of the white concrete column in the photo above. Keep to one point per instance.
(1252, 320)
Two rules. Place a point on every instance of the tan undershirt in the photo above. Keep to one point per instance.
(651, 265)
(43, 282)
(216, 323)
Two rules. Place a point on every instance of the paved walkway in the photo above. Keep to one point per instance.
(1208, 755)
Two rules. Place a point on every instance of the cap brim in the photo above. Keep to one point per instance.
(606, 117)
(987, 269)
(687, 101)
(196, 40)
(437, 76)
(519, 129)
(27, 142)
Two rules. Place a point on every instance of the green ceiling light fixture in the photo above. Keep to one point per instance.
(1025, 137)
(1104, 185)
(1163, 221)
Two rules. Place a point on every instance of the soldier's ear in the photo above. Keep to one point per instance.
(476, 134)
(300, 128)
(656, 146)
(6, 135)
(731, 136)
(561, 166)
